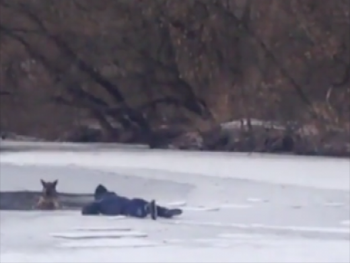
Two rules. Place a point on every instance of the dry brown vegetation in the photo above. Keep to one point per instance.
(166, 70)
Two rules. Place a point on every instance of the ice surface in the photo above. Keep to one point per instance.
(345, 222)
(267, 251)
(237, 208)
(284, 170)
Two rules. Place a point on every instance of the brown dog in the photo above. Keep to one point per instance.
(49, 197)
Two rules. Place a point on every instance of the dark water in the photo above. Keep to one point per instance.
(25, 200)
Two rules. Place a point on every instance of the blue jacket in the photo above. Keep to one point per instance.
(107, 204)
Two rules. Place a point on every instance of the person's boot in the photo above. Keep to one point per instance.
(168, 213)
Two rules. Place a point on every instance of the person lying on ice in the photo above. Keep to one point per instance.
(109, 203)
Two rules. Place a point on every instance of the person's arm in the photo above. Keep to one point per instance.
(91, 209)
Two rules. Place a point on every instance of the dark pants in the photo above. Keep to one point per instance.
(137, 208)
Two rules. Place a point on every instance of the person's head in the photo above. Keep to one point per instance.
(100, 191)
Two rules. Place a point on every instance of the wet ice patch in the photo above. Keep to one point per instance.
(109, 243)
(238, 236)
(183, 205)
(98, 235)
(99, 228)
(201, 208)
(257, 200)
(334, 204)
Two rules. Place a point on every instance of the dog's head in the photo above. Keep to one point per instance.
(49, 188)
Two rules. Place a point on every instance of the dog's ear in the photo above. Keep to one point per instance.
(54, 183)
(43, 183)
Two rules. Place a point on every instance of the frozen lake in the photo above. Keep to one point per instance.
(237, 207)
